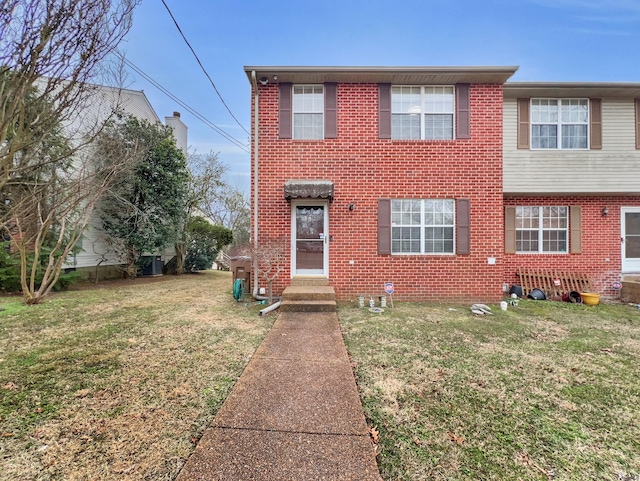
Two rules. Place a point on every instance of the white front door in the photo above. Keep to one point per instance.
(630, 223)
(310, 238)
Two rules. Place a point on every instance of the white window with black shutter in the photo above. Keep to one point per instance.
(423, 226)
(543, 229)
(308, 112)
(424, 112)
(561, 124)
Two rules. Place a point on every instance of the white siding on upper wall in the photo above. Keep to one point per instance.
(615, 169)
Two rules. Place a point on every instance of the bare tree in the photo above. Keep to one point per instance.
(233, 211)
(55, 52)
(48, 212)
(270, 257)
(222, 203)
(52, 55)
(206, 178)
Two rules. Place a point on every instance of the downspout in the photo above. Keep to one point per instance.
(256, 111)
(272, 307)
(254, 259)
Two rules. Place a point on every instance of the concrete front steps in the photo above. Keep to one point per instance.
(309, 295)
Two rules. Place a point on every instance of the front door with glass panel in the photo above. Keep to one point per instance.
(630, 222)
(310, 239)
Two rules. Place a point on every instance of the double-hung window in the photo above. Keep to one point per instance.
(542, 229)
(308, 110)
(422, 112)
(559, 123)
(422, 226)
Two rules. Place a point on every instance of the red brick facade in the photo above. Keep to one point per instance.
(364, 169)
(601, 255)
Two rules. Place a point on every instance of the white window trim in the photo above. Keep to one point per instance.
(294, 112)
(541, 230)
(422, 227)
(423, 112)
(559, 124)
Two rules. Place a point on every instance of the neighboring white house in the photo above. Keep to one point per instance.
(96, 257)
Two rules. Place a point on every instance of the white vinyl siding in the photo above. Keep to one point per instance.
(613, 169)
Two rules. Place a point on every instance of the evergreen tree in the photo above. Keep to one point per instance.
(144, 212)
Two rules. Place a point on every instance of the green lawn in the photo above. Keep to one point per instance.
(542, 391)
(119, 381)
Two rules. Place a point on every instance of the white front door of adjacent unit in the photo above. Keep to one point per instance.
(630, 223)
(310, 238)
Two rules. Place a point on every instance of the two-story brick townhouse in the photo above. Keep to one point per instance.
(367, 175)
(572, 179)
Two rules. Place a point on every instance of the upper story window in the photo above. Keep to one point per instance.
(425, 113)
(308, 110)
(559, 123)
(542, 229)
(422, 226)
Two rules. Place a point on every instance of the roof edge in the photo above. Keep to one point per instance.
(575, 89)
(382, 74)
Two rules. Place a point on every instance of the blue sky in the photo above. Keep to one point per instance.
(550, 40)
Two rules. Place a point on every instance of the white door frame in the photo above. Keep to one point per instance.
(324, 273)
(632, 265)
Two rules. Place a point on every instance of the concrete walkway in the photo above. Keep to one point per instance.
(293, 415)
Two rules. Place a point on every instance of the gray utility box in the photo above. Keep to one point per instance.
(153, 266)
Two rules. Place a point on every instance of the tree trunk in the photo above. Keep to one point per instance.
(181, 254)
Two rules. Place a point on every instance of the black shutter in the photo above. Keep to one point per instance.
(523, 123)
(595, 114)
(285, 115)
(463, 112)
(509, 229)
(637, 104)
(330, 111)
(384, 227)
(384, 111)
(463, 231)
(575, 235)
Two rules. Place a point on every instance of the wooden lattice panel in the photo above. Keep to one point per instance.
(553, 283)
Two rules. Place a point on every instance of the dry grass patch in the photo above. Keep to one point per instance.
(119, 381)
(543, 391)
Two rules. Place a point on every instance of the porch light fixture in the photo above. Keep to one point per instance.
(352, 206)
(605, 211)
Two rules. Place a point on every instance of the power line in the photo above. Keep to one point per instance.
(202, 67)
(207, 122)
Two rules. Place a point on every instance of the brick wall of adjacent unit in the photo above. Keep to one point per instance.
(364, 169)
(601, 256)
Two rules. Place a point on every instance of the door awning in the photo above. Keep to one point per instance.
(308, 189)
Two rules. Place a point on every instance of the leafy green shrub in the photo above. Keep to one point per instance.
(10, 272)
(9, 269)
(204, 241)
